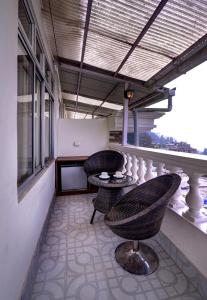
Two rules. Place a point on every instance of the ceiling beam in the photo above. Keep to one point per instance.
(53, 27)
(106, 98)
(71, 65)
(83, 110)
(148, 100)
(87, 107)
(90, 97)
(142, 33)
(88, 15)
(189, 59)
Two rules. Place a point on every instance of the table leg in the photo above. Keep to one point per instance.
(91, 222)
(106, 198)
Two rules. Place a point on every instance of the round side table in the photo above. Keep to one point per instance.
(109, 192)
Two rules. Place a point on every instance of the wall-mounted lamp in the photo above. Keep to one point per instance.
(128, 94)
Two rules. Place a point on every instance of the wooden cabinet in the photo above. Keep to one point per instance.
(71, 177)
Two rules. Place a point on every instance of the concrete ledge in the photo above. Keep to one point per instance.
(32, 271)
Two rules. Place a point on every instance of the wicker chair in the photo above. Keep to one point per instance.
(138, 216)
(107, 160)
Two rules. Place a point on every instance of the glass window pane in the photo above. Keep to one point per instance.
(47, 72)
(24, 115)
(47, 126)
(37, 115)
(52, 85)
(25, 20)
(38, 51)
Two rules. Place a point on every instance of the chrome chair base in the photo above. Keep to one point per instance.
(136, 258)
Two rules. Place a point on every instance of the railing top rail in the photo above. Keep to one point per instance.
(188, 161)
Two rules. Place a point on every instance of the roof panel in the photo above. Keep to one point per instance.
(104, 52)
(114, 26)
(143, 64)
(179, 25)
(69, 21)
(70, 10)
(121, 19)
(68, 39)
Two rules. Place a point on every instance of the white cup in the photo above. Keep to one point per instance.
(118, 174)
(104, 174)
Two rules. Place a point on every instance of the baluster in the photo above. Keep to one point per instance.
(137, 169)
(177, 199)
(125, 162)
(129, 165)
(149, 174)
(141, 170)
(160, 169)
(194, 200)
(134, 167)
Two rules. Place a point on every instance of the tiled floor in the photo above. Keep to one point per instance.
(77, 262)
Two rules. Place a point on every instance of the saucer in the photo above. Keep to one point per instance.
(104, 177)
(118, 177)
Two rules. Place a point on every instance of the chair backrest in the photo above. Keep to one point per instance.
(138, 215)
(154, 193)
(106, 160)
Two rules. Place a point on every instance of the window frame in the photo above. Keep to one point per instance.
(31, 175)
(31, 20)
(37, 39)
(39, 72)
(38, 168)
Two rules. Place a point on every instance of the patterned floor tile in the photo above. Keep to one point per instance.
(77, 262)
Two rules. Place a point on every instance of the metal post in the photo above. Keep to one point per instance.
(125, 119)
(136, 128)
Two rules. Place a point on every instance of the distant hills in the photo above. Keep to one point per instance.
(156, 140)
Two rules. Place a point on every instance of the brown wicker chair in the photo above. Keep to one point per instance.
(138, 216)
(107, 160)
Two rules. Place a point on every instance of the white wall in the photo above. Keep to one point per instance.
(190, 240)
(20, 223)
(91, 135)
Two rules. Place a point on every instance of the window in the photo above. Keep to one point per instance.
(25, 115)
(25, 20)
(47, 72)
(52, 85)
(48, 126)
(38, 51)
(37, 117)
(34, 105)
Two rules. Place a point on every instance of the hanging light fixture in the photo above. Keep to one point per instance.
(128, 94)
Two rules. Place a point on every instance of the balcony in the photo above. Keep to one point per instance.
(80, 59)
(140, 162)
(77, 261)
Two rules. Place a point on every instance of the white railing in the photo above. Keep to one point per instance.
(144, 164)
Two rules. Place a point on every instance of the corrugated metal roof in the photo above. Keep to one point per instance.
(105, 53)
(178, 26)
(156, 32)
(143, 64)
(120, 19)
(69, 21)
(115, 25)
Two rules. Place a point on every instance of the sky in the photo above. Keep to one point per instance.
(188, 119)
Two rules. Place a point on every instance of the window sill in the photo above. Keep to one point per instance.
(22, 191)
